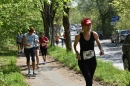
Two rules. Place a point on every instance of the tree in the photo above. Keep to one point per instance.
(66, 25)
(122, 8)
(17, 16)
(48, 10)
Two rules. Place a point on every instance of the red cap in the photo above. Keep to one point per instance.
(86, 21)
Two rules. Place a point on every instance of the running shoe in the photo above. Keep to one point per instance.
(44, 62)
(29, 72)
(34, 73)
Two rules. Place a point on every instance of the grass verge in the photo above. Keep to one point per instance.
(9, 73)
(105, 72)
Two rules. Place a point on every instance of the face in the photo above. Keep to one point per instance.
(31, 32)
(87, 27)
(42, 35)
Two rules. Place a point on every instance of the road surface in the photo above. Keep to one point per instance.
(52, 74)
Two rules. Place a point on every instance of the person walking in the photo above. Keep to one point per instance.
(37, 48)
(57, 39)
(29, 49)
(21, 46)
(43, 40)
(117, 36)
(86, 57)
(19, 42)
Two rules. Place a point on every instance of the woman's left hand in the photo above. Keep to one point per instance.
(101, 53)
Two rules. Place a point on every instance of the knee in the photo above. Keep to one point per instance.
(28, 60)
(33, 59)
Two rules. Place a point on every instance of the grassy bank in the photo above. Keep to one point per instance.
(105, 71)
(9, 73)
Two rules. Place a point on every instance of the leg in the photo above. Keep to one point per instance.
(33, 58)
(43, 52)
(62, 42)
(117, 40)
(18, 46)
(86, 72)
(21, 48)
(37, 57)
(92, 69)
(27, 54)
(57, 42)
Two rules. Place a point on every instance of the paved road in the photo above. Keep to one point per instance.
(113, 53)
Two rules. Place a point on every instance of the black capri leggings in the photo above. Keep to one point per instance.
(87, 68)
(43, 50)
(29, 52)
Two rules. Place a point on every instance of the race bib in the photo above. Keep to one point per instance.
(88, 54)
(43, 44)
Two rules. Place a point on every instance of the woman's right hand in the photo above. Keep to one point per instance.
(28, 45)
(78, 56)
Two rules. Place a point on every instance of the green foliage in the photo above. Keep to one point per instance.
(122, 7)
(100, 12)
(12, 79)
(106, 72)
(17, 16)
(9, 73)
(10, 67)
(75, 16)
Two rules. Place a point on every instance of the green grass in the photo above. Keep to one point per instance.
(105, 72)
(9, 73)
(61, 55)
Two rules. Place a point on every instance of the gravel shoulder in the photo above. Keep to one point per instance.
(52, 74)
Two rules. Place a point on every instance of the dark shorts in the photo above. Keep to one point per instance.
(57, 42)
(30, 53)
(19, 43)
(43, 50)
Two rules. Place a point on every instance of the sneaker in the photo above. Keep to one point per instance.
(34, 73)
(29, 72)
(44, 62)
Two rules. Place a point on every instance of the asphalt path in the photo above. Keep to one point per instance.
(112, 52)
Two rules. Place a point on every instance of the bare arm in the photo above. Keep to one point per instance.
(23, 42)
(77, 37)
(98, 42)
(47, 41)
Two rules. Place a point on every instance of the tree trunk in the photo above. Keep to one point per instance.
(46, 20)
(66, 25)
(52, 12)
